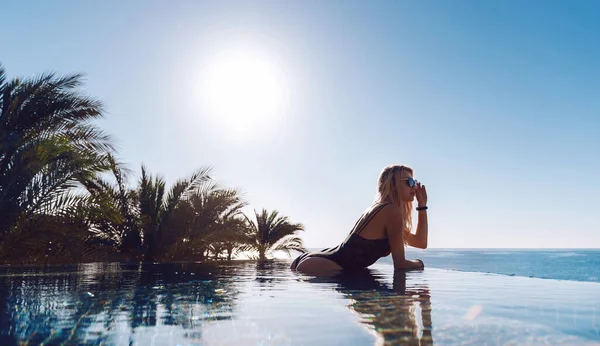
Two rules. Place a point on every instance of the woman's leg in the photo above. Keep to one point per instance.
(317, 265)
(298, 259)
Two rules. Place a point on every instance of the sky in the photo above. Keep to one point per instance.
(300, 104)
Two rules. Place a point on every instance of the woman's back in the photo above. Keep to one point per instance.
(363, 246)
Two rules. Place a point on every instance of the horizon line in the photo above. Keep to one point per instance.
(494, 248)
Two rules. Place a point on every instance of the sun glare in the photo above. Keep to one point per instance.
(243, 90)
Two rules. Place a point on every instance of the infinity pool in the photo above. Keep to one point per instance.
(251, 303)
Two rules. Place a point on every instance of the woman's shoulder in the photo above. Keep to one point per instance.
(388, 209)
(379, 209)
(383, 206)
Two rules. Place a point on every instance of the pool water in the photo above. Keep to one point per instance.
(252, 303)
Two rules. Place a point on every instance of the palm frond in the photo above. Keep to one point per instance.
(270, 231)
(289, 243)
(47, 146)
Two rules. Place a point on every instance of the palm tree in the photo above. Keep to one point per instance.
(111, 211)
(270, 232)
(156, 208)
(47, 147)
(208, 220)
(234, 238)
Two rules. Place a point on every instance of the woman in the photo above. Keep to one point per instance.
(383, 228)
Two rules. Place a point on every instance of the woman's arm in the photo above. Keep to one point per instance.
(393, 227)
(419, 240)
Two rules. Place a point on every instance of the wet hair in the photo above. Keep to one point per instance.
(388, 190)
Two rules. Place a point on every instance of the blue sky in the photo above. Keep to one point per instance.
(495, 104)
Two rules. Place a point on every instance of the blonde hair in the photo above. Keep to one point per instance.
(388, 192)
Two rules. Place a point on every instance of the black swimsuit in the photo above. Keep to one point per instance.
(355, 252)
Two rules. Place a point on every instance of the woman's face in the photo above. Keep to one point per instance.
(407, 193)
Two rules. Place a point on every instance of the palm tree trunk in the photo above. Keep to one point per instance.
(149, 247)
(229, 252)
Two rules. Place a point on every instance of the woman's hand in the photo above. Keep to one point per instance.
(416, 264)
(421, 195)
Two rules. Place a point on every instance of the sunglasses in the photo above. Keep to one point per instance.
(411, 182)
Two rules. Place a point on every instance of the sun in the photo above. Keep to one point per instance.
(243, 90)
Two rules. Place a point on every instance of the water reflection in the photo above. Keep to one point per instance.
(399, 315)
(113, 303)
(194, 304)
(271, 273)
